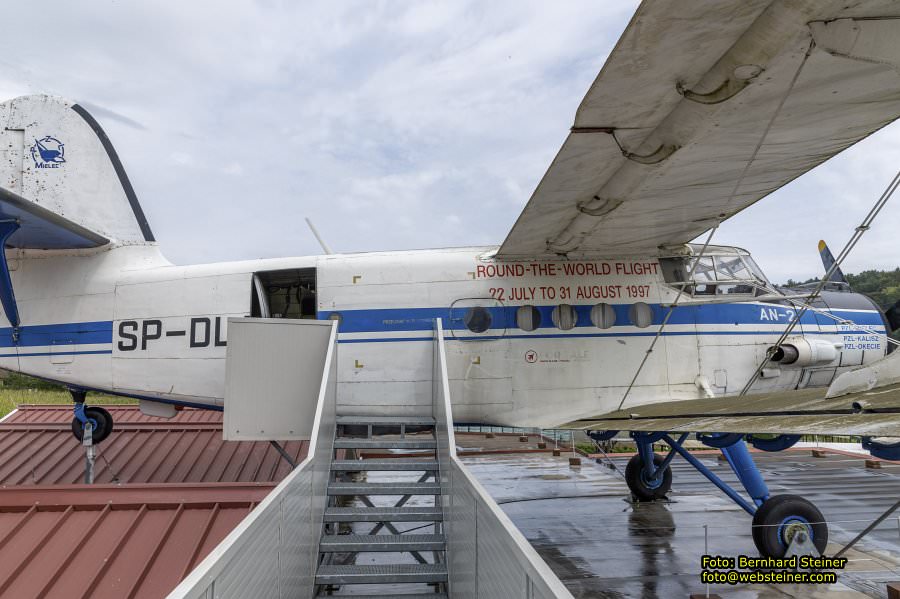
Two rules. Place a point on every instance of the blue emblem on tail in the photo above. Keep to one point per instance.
(48, 152)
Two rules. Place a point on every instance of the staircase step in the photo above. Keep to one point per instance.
(389, 464)
(352, 443)
(410, 488)
(383, 514)
(387, 420)
(375, 574)
(393, 594)
(363, 543)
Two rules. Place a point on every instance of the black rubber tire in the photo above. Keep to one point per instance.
(769, 537)
(102, 429)
(634, 476)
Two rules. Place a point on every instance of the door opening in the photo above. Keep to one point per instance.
(287, 293)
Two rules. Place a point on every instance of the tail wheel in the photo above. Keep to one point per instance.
(100, 420)
(640, 486)
(780, 518)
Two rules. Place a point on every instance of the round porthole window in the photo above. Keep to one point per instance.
(603, 316)
(641, 315)
(528, 318)
(477, 319)
(564, 317)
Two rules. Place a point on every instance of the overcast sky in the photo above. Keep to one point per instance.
(393, 125)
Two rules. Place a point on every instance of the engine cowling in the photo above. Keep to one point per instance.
(800, 351)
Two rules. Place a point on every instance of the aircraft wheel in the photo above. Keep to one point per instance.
(780, 518)
(101, 420)
(637, 481)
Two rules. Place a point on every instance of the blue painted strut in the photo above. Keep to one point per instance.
(645, 450)
(741, 462)
(644, 442)
(79, 412)
(702, 469)
(7, 297)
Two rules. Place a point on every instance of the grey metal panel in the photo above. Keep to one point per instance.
(495, 576)
(273, 552)
(273, 373)
(462, 539)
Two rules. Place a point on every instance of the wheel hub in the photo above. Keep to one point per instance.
(791, 526)
(652, 483)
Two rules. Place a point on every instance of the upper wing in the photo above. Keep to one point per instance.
(702, 109)
(874, 413)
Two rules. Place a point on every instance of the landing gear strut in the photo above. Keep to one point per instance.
(101, 420)
(777, 520)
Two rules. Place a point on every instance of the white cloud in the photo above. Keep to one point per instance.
(392, 124)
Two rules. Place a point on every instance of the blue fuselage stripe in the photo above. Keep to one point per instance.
(503, 324)
(75, 333)
(504, 317)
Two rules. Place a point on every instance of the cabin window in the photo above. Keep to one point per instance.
(477, 319)
(564, 317)
(603, 316)
(641, 315)
(528, 318)
(289, 293)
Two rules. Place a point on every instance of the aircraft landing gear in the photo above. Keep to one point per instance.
(777, 520)
(644, 487)
(101, 420)
(647, 474)
(780, 518)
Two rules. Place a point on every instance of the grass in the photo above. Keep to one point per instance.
(17, 389)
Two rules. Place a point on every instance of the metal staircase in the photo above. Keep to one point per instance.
(391, 555)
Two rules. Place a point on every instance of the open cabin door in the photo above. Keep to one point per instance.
(288, 293)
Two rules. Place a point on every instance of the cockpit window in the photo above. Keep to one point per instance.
(704, 270)
(714, 275)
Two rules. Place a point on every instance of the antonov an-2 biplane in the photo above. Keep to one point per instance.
(702, 109)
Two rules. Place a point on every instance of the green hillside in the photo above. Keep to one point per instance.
(883, 286)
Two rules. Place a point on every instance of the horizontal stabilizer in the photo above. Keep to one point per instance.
(40, 228)
(62, 180)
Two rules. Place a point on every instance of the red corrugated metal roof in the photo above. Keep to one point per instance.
(180, 491)
(111, 541)
(37, 447)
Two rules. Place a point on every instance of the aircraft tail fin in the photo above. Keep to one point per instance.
(828, 260)
(62, 184)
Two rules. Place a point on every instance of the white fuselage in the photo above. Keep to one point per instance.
(124, 320)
